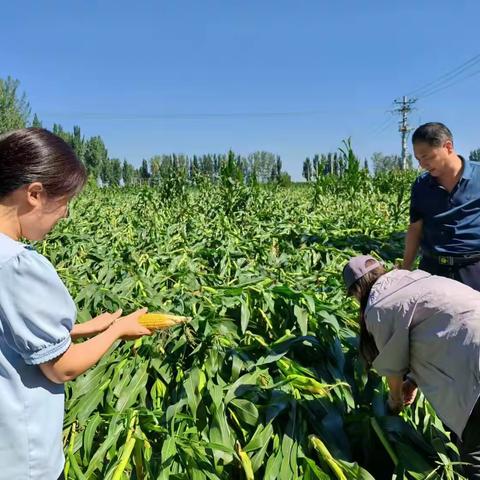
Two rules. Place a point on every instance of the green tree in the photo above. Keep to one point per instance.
(105, 172)
(95, 156)
(475, 155)
(207, 166)
(307, 169)
(143, 171)
(128, 173)
(264, 163)
(115, 172)
(194, 168)
(14, 108)
(284, 179)
(316, 166)
(36, 123)
(155, 166)
(276, 170)
(279, 166)
(384, 163)
(77, 142)
(58, 130)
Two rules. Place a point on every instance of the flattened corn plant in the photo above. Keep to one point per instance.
(264, 382)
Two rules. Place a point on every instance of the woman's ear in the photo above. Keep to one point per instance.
(35, 194)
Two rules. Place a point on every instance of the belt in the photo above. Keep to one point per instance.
(451, 261)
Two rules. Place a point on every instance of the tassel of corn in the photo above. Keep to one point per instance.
(159, 321)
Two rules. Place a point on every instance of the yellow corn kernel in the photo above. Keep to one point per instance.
(158, 321)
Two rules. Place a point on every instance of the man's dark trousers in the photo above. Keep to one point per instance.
(468, 274)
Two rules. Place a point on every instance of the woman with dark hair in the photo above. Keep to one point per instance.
(424, 329)
(39, 174)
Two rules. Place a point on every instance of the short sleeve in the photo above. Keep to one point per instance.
(390, 329)
(415, 211)
(36, 311)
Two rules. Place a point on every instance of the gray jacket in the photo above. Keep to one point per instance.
(429, 326)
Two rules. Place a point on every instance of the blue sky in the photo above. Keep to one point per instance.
(291, 77)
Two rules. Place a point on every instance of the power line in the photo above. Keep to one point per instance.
(446, 77)
(192, 115)
(447, 80)
(443, 87)
(382, 126)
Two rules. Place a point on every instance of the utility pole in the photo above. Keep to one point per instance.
(404, 108)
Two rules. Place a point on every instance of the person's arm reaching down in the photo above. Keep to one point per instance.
(412, 242)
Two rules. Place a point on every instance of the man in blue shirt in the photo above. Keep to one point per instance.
(444, 209)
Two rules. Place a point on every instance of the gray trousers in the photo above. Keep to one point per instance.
(469, 447)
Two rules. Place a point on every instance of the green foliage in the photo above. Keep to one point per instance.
(14, 108)
(129, 174)
(475, 155)
(36, 123)
(284, 179)
(265, 165)
(115, 172)
(96, 158)
(307, 169)
(170, 176)
(270, 357)
(385, 163)
(144, 172)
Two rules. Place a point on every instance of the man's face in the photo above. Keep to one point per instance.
(433, 159)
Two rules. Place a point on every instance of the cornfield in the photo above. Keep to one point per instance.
(264, 382)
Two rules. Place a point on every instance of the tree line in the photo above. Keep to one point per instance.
(334, 163)
(260, 166)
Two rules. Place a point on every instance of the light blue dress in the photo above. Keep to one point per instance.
(36, 317)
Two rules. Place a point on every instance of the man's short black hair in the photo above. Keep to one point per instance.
(433, 133)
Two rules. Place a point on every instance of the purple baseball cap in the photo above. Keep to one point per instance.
(357, 267)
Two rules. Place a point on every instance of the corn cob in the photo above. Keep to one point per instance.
(159, 321)
(245, 461)
(326, 457)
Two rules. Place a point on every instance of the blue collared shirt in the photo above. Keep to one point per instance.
(36, 317)
(451, 220)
